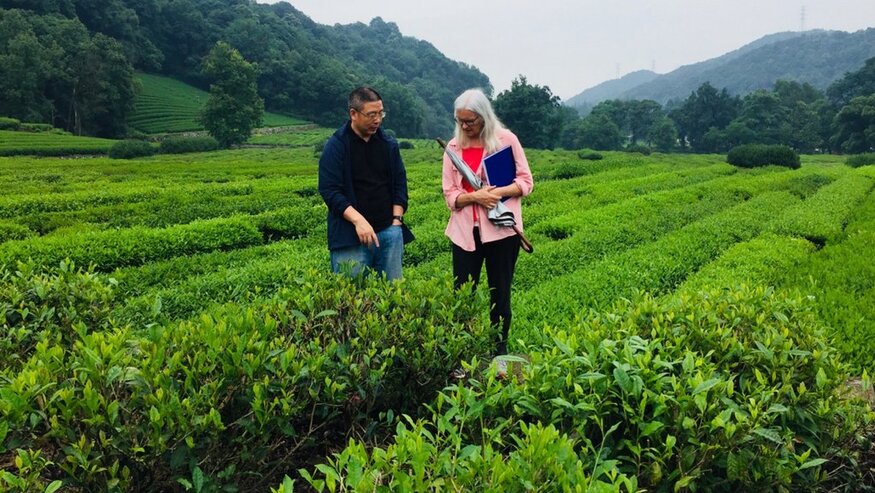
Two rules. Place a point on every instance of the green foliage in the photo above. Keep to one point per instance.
(129, 149)
(240, 388)
(841, 279)
(724, 391)
(181, 145)
(755, 155)
(639, 148)
(854, 84)
(50, 144)
(9, 123)
(855, 126)
(823, 216)
(406, 144)
(234, 108)
(589, 155)
(167, 105)
(13, 231)
(532, 112)
(858, 160)
(703, 109)
(49, 308)
(134, 246)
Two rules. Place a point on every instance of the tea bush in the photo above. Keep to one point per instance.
(13, 231)
(9, 123)
(755, 155)
(129, 149)
(181, 145)
(722, 391)
(240, 393)
(858, 160)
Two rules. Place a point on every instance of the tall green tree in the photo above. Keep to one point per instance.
(532, 112)
(705, 108)
(663, 135)
(853, 84)
(595, 131)
(234, 108)
(855, 125)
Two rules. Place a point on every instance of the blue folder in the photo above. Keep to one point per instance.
(500, 167)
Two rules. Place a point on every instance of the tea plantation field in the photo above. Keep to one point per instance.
(170, 324)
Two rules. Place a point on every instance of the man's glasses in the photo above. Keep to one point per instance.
(468, 123)
(371, 115)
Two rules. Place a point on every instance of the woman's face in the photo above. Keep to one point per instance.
(471, 123)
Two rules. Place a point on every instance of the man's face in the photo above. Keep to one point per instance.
(366, 121)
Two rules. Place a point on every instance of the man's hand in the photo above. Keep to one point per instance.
(363, 228)
(366, 233)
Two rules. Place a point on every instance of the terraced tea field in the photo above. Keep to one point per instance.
(171, 321)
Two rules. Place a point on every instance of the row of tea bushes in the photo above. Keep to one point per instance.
(653, 267)
(112, 249)
(727, 390)
(238, 394)
(185, 295)
(764, 260)
(108, 250)
(614, 228)
(822, 218)
(841, 278)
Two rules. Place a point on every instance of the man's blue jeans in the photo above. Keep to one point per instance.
(385, 260)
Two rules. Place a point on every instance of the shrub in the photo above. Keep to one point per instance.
(36, 127)
(53, 306)
(858, 160)
(589, 155)
(727, 390)
(406, 144)
(181, 145)
(568, 170)
(243, 392)
(639, 148)
(129, 149)
(13, 231)
(9, 123)
(756, 155)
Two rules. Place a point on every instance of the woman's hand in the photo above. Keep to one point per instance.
(486, 196)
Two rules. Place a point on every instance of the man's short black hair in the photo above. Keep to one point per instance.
(361, 95)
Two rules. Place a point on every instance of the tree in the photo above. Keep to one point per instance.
(855, 125)
(596, 131)
(234, 107)
(663, 135)
(705, 108)
(853, 84)
(641, 115)
(532, 112)
(103, 85)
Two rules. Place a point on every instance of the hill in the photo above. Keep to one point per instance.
(305, 69)
(164, 105)
(816, 57)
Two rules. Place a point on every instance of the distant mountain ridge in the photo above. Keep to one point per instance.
(817, 57)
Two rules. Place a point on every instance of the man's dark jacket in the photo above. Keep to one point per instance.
(336, 187)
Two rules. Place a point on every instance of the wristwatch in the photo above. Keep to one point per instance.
(400, 219)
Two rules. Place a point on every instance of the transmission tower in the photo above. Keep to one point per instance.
(802, 20)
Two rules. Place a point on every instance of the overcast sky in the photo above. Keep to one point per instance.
(571, 45)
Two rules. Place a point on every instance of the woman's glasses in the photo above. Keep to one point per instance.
(468, 123)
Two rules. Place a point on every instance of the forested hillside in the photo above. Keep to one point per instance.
(815, 57)
(71, 62)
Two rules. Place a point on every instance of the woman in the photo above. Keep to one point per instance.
(475, 239)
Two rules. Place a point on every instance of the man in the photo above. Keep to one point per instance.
(364, 184)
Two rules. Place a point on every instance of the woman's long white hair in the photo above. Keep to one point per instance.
(475, 100)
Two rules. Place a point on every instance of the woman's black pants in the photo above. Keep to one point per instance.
(500, 257)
